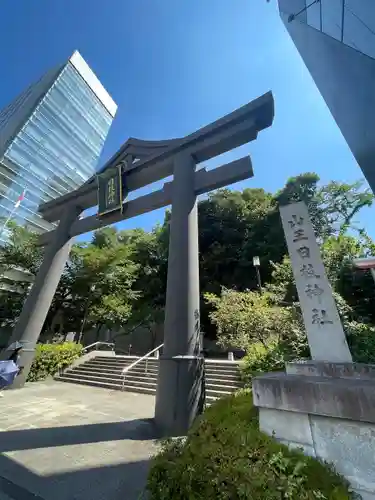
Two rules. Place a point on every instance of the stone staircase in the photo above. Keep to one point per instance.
(222, 376)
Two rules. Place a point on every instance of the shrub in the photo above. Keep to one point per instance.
(272, 356)
(361, 340)
(226, 457)
(242, 318)
(261, 358)
(52, 357)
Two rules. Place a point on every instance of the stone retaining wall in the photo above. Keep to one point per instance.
(327, 410)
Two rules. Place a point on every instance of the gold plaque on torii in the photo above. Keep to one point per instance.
(110, 191)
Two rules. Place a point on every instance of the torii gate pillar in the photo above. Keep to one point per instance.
(180, 393)
(35, 309)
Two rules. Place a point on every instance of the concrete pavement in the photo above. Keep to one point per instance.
(61, 441)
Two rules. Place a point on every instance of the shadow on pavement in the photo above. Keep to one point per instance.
(117, 481)
(124, 481)
(27, 439)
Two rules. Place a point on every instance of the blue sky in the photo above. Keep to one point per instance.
(173, 66)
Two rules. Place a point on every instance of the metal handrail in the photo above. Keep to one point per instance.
(132, 365)
(111, 344)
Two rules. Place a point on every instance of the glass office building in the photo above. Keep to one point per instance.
(336, 39)
(51, 138)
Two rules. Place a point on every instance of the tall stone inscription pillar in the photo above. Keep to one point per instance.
(324, 330)
(180, 393)
(38, 302)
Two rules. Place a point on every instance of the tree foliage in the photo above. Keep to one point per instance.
(96, 287)
(355, 286)
(21, 254)
(235, 226)
(341, 203)
(118, 279)
(243, 318)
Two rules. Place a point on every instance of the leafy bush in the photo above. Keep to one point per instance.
(361, 341)
(272, 356)
(261, 358)
(243, 318)
(50, 358)
(226, 457)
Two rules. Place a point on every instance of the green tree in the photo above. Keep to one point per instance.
(342, 202)
(119, 278)
(150, 251)
(305, 187)
(244, 318)
(22, 254)
(21, 250)
(354, 285)
(233, 227)
(97, 284)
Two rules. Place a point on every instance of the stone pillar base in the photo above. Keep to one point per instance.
(180, 394)
(327, 410)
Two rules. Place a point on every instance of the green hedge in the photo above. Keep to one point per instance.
(52, 357)
(361, 340)
(273, 356)
(260, 358)
(226, 457)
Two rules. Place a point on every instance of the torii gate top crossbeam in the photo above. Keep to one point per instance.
(233, 130)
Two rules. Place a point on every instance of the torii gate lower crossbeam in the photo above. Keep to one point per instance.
(180, 391)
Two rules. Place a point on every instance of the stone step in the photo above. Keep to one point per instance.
(226, 368)
(114, 381)
(155, 365)
(221, 378)
(211, 396)
(116, 364)
(218, 369)
(115, 359)
(98, 369)
(110, 365)
(219, 373)
(218, 393)
(221, 362)
(221, 387)
(220, 381)
(107, 385)
(231, 388)
(131, 359)
(224, 376)
(128, 360)
(105, 369)
(120, 359)
(129, 375)
(83, 377)
(136, 369)
(112, 362)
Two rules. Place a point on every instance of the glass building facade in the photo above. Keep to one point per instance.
(51, 138)
(336, 40)
(352, 22)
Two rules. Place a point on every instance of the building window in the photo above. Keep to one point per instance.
(349, 21)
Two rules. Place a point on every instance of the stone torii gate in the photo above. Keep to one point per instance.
(140, 163)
